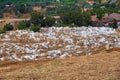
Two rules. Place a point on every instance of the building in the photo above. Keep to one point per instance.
(9, 6)
(109, 18)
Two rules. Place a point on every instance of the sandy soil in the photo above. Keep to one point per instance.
(102, 66)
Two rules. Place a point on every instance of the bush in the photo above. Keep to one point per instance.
(35, 28)
(48, 21)
(2, 31)
(60, 25)
(27, 23)
(40, 19)
(114, 25)
(22, 25)
(77, 18)
(36, 18)
(8, 27)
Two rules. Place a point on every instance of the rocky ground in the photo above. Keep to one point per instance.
(57, 43)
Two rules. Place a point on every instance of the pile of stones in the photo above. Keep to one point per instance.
(56, 42)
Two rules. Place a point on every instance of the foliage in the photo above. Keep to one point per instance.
(99, 12)
(48, 21)
(28, 24)
(25, 6)
(8, 27)
(22, 8)
(51, 11)
(39, 19)
(69, 17)
(22, 25)
(2, 31)
(60, 25)
(65, 8)
(114, 25)
(35, 28)
(1, 15)
(36, 18)
(76, 17)
(82, 20)
(19, 15)
(39, 1)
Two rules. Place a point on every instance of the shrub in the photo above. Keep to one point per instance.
(22, 25)
(2, 31)
(35, 28)
(40, 19)
(19, 15)
(48, 21)
(27, 23)
(114, 25)
(8, 27)
(36, 18)
(60, 25)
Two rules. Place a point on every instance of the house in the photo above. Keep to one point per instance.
(9, 6)
(109, 18)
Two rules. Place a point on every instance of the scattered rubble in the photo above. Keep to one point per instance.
(56, 42)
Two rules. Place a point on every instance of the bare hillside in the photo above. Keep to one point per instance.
(102, 66)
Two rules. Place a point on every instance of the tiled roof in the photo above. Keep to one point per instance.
(112, 16)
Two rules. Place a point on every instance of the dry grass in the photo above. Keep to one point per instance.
(102, 66)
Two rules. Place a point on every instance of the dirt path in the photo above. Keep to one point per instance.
(102, 66)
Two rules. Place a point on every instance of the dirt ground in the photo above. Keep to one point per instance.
(101, 66)
(13, 21)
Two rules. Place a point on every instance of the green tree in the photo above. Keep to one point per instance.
(22, 25)
(82, 20)
(35, 28)
(76, 17)
(8, 27)
(2, 31)
(27, 23)
(36, 18)
(48, 21)
(66, 8)
(69, 17)
(99, 12)
(22, 8)
(114, 25)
